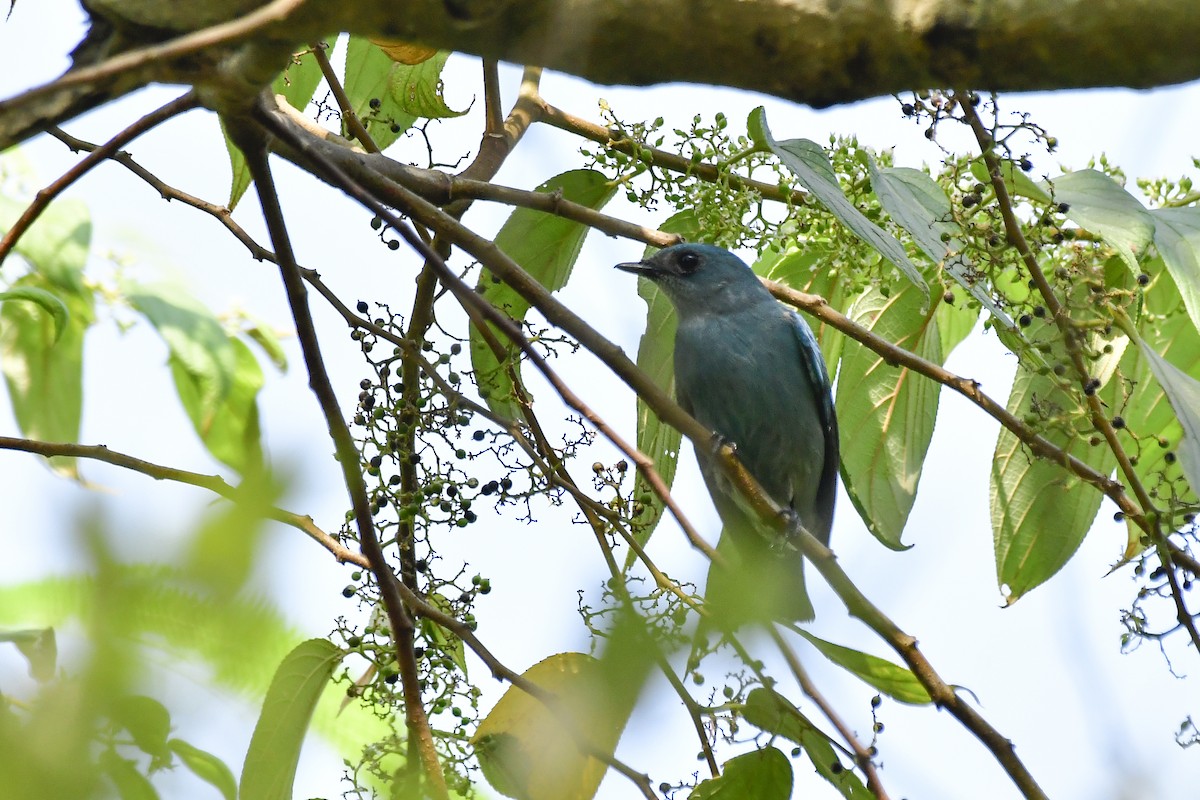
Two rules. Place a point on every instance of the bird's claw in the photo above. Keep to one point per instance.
(787, 536)
(719, 441)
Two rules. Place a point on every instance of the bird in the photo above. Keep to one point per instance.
(749, 369)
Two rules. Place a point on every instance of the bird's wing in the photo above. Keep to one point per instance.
(818, 377)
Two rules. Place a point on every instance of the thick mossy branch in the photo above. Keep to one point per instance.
(818, 54)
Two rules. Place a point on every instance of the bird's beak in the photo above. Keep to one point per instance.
(637, 268)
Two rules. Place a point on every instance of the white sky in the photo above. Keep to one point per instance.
(1089, 721)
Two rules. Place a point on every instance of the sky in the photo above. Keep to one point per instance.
(1090, 721)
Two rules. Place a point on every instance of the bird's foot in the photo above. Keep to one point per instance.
(787, 537)
(718, 441)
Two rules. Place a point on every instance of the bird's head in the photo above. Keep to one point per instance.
(701, 278)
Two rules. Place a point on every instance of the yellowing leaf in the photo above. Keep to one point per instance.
(526, 751)
(405, 52)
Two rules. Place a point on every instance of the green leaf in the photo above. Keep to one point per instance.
(825, 760)
(808, 161)
(1148, 414)
(56, 245)
(919, 205)
(228, 425)
(148, 723)
(40, 649)
(1183, 392)
(1102, 206)
(405, 92)
(893, 680)
(56, 308)
(1017, 182)
(525, 751)
(239, 170)
(262, 335)
(1040, 511)
(755, 131)
(764, 774)
(1177, 237)
(43, 366)
(546, 246)
(891, 411)
(130, 782)
(193, 334)
(297, 84)
(239, 639)
(274, 753)
(774, 714)
(656, 357)
(216, 376)
(206, 767)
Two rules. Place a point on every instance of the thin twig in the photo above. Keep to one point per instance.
(353, 123)
(664, 158)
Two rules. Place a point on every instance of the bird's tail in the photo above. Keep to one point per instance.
(760, 584)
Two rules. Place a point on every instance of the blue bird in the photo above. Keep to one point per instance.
(750, 370)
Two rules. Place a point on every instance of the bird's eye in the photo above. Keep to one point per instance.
(688, 262)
